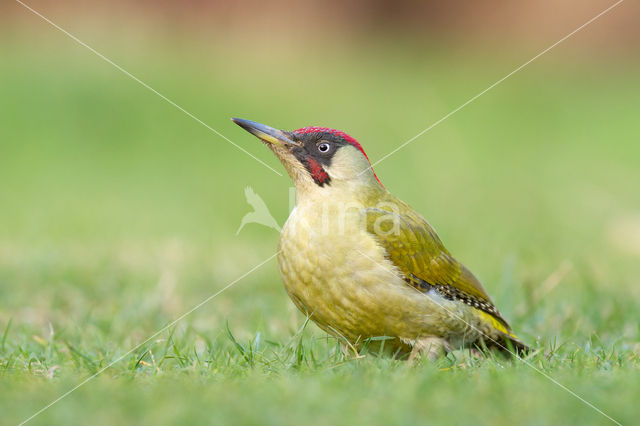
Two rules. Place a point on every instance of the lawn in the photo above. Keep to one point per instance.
(118, 214)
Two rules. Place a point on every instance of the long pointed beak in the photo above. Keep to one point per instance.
(266, 133)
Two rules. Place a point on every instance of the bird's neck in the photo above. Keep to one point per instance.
(339, 195)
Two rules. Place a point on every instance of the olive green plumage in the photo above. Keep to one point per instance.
(417, 251)
(361, 263)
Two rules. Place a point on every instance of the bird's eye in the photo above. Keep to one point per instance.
(324, 147)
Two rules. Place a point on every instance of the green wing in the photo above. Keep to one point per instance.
(416, 250)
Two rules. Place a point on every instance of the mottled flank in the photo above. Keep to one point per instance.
(452, 293)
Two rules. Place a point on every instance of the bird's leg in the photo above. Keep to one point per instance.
(347, 352)
(477, 353)
(432, 347)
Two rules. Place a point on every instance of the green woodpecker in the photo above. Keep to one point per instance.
(363, 264)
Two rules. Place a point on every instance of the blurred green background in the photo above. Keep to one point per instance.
(118, 212)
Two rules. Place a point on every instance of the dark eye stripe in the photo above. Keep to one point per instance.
(313, 130)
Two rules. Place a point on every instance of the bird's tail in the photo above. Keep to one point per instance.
(503, 339)
(508, 344)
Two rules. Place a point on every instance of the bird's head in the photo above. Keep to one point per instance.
(318, 158)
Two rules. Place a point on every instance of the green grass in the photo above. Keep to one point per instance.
(118, 214)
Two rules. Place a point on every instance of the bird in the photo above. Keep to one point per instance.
(260, 213)
(366, 267)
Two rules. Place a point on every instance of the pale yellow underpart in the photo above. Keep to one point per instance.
(336, 273)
